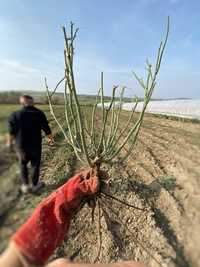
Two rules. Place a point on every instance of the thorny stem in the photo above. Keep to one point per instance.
(128, 122)
(105, 119)
(93, 132)
(116, 127)
(112, 123)
(69, 67)
(57, 85)
(53, 113)
(72, 137)
(103, 108)
(148, 93)
(70, 96)
(108, 147)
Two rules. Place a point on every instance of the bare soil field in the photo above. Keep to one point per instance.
(162, 176)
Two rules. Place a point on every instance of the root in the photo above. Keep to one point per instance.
(99, 233)
(121, 201)
(130, 232)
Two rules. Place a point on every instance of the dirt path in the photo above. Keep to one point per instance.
(162, 176)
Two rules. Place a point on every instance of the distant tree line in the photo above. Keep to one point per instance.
(12, 97)
(9, 97)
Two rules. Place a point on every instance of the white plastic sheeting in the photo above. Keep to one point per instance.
(180, 108)
(189, 108)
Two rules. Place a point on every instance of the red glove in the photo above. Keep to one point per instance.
(45, 229)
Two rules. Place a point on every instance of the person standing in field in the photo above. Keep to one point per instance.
(24, 128)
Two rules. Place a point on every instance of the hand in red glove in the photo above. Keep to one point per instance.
(45, 229)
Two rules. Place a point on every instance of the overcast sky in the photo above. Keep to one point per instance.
(115, 37)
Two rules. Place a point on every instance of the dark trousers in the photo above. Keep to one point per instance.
(34, 157)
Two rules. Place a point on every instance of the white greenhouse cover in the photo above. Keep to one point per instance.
(189, 108)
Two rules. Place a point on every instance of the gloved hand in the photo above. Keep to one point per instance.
(45, 229)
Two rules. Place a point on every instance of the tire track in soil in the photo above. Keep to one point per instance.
(150, 194)
(160, 218)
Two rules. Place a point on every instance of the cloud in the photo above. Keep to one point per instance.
(16, 75)
(18, 67)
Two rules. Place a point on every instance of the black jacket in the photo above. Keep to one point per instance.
(26, 125)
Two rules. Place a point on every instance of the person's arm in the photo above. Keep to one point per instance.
(45, 127)
(9, 139)
(12, 130)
